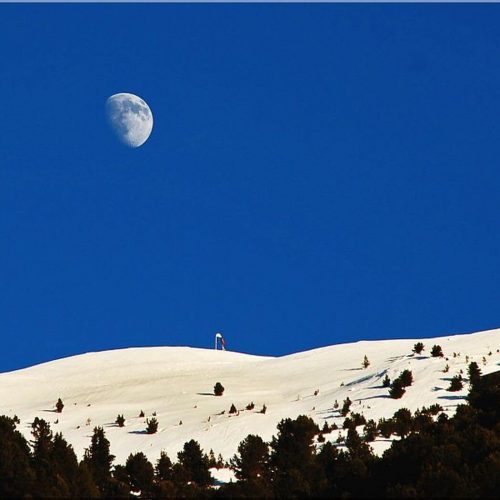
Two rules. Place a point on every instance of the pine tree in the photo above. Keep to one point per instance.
(232, 410)
(436, 351)
(211, 458)
(346, 407)
(456, 384)
(218, 389)
(120, 420)
(397, 389)
(365, 363)
(402, 422)
(85, 486)
(370, 431)
(17, 478)
(163, 467)
(140, 473)
(42, 443)
(59, 406)
(418, 348)
(152, 426)
(386, 427)
(98, 459)
(387, 381)
(293, 457)
(474, 373)
(252, 460)
(64, 465)
(406, 378)
(194, 464)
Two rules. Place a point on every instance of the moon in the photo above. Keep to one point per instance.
(130, 118)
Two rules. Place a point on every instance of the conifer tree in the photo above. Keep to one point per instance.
(418, 348)
(346, 407)
(456, 384)
(293, 457)
(59, 406)
(42, 443)
(194, 464)
(140, 473)
(402, 422)
(386, 427)
(365, 363)
(98, 459)
(64, 465)
(474, 373)
(17, 477)
(252, 460)
(218, 389)
(387, 381)
(152, 426)
(397, 389)
(163, 469)
(406, 378)
(370, 431)
(436, 351)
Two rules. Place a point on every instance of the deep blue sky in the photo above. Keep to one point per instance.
(316, 174)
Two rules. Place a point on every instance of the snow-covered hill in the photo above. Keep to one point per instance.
(177, 383)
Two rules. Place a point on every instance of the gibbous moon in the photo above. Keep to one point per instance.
(130, 118)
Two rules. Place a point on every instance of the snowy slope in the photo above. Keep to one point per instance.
(177, 384)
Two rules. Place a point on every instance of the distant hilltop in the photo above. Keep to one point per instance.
(176, 386)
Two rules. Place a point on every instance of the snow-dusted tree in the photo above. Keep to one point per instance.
(233, 409)
(387, 381)
(120, 421)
